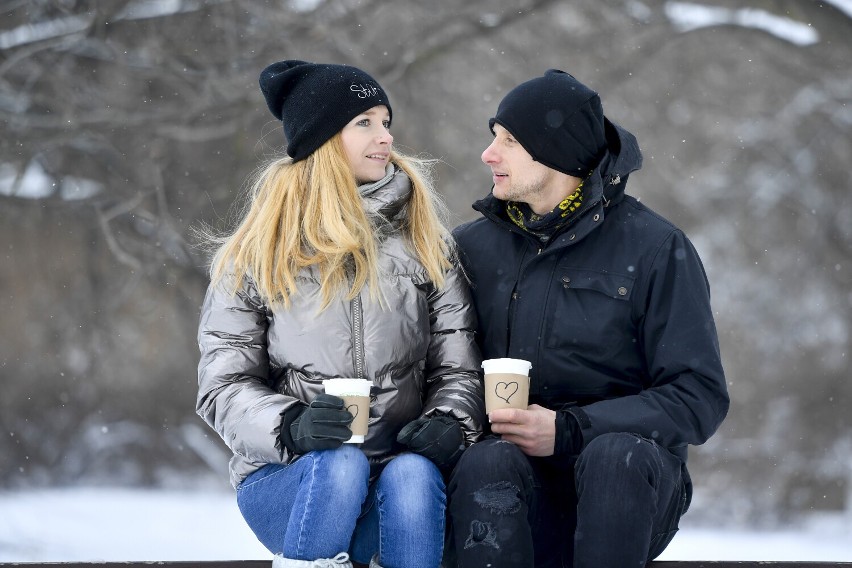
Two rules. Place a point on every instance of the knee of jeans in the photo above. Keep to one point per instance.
(491, 463)
(346, 465)
(493, 454)
(615, 451)
(413, 484)
(409, 468)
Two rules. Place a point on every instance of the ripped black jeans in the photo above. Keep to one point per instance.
(617, 505)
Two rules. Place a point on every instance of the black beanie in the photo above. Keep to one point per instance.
(316, 100)
(558, 120)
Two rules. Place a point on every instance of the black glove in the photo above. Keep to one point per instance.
(324, 425)
(439, 438)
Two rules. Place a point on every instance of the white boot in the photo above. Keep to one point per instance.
(374, 562)
(339, 561)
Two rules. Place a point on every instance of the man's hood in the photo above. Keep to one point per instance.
(622, 158)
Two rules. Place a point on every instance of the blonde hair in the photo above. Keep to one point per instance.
(309, 213)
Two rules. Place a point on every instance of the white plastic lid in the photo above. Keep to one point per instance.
(347, 387)
(507, 365)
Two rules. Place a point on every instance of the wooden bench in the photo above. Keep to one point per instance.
(267, 564)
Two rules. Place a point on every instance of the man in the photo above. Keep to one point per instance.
(611, 305)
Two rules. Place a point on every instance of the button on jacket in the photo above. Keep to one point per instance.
(418, 350)
(613, 311)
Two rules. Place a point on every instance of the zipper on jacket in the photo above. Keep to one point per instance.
(357, 336)
(511, 320)
(513, 300)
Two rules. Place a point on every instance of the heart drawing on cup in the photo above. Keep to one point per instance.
(505, 391)
(353, 410)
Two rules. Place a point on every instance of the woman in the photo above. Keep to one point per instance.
(340, 267)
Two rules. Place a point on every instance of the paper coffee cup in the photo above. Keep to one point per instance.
(507, 383)
(356, 399)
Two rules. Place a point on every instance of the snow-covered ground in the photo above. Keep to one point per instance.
(117, 524)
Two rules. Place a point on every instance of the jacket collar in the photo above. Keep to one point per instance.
(386, 199)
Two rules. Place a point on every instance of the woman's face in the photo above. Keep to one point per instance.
(367, 142)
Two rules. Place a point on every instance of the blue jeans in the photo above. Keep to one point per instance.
(618, 504)
(323, 504)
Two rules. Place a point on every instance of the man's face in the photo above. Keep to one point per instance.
(517, 177)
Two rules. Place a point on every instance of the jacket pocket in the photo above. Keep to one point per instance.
(589, 312)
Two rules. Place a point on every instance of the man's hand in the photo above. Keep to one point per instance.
(533, 430)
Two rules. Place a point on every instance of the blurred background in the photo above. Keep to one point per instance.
(125, 124)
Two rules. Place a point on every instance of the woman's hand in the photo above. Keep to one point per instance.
(324, 425)
(438, 438)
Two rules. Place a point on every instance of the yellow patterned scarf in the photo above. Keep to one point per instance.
(548, 224)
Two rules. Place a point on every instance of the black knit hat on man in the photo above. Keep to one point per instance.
(558, 120)
(314, 101)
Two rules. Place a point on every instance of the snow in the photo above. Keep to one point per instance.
(61, 27)
(687, 16)
(31, 33)
(35, 183)
(123, 524)
(844, 6)
(96, 524)
(814, 545)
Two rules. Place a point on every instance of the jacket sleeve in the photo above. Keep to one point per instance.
(235, 396)
(453, 373)
(688, 397)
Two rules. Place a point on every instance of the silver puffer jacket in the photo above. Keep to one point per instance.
(418, 350)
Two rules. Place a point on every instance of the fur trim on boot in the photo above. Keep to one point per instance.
(339, 561)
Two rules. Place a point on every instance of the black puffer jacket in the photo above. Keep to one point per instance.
(614, 312)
